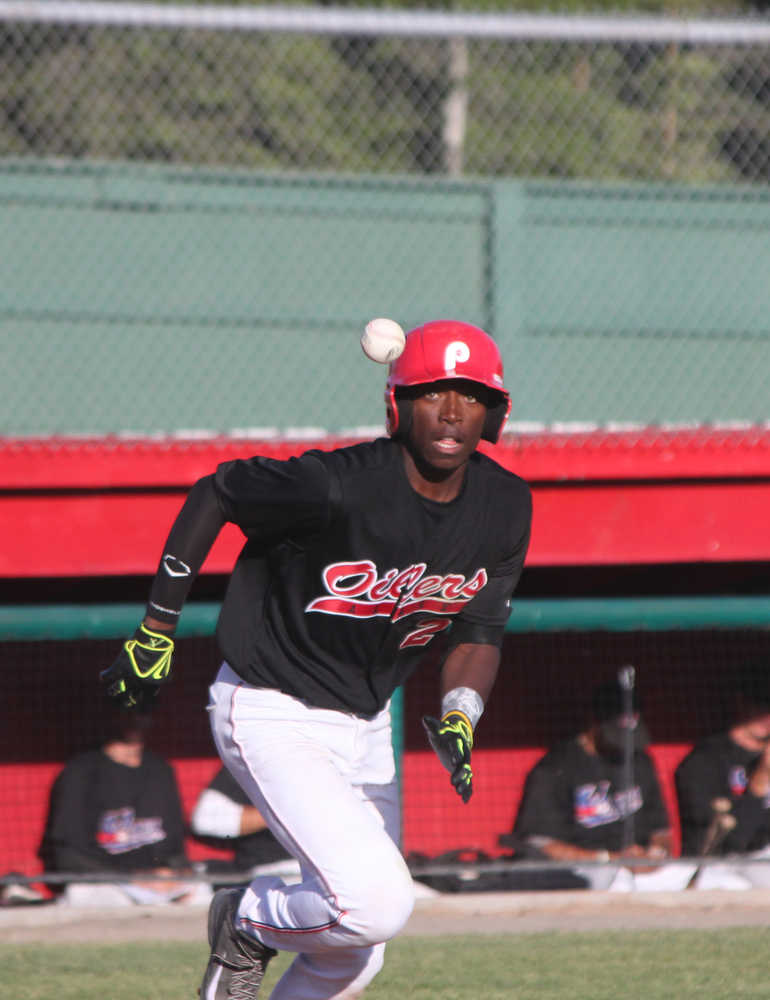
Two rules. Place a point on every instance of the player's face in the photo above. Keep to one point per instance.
(757, 729)
(612, 735)
(447, 421)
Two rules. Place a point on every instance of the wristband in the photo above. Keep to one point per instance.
(464, 700)
(602, 856)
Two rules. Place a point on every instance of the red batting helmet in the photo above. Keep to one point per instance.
(446, 349)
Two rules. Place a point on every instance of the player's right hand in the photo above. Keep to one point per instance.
(452, 740)
(143, 664)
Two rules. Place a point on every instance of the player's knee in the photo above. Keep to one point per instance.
(385, 906)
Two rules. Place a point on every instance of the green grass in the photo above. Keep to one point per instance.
(648, 965)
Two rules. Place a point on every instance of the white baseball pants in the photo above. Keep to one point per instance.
(324, 781)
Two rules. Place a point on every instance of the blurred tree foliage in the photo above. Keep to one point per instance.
(675, 7)
(288, 101)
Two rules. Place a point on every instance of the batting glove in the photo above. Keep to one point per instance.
(452, 740)
(143, 664)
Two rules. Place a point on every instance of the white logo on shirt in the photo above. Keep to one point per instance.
(174, 566)
(356, 590)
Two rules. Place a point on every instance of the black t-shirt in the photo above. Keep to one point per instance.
(581, 798)
(252, 848)
(719, 768)
(348, 574)
(105, 816)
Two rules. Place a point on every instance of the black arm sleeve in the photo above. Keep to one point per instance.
(192, 534)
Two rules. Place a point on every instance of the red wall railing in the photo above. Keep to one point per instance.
(103, 507)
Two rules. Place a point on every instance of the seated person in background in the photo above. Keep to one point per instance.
(224, 813)
(577, 806)
(116, 811)
(723, 790)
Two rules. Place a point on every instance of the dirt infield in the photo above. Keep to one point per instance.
(464, 913)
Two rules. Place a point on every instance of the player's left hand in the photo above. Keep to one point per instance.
(143, 664)
(452, 740)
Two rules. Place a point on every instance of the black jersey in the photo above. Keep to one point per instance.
(348, 574)
(719, 768)
(580, 798)
(106, 816)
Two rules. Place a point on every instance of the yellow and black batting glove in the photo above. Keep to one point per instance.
(143, 664)
(452, 740)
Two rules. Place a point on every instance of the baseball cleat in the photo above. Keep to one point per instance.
(237, 963)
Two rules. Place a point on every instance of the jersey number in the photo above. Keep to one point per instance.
(423, 635)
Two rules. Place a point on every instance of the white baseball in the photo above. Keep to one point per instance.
(382, 340)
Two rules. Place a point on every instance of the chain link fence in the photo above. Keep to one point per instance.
(595, 191)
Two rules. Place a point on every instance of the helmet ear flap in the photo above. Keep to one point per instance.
(398, 414)
(404, 417)
(391, 412)
(496, 417)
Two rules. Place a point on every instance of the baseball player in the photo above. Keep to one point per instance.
(578, 801)
(356, 562)
(731, 770)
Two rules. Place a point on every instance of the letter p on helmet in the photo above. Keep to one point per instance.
(456, 352)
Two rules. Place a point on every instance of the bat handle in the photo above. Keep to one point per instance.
(626, 682)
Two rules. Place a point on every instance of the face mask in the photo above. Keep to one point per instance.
(613, 734)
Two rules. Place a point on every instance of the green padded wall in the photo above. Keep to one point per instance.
(150, 300)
